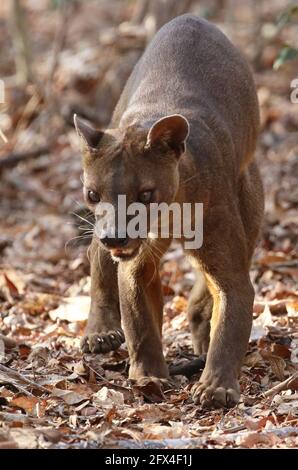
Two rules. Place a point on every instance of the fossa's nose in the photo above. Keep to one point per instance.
(114, 242)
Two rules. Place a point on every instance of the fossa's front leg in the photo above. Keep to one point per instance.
(103, 332)
(141, 312)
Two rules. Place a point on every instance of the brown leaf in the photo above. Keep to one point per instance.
(28, 404)
(253, 439)
(280, 350)
(69, 396)
(292, 307)
(253, 359)
(9, 343)
(11, 286)
(52, 435)
(158, 431)
(277, 364)
(167, 290)
(8, 444)
(154, 413)
(152, 390)
(107, 397)
(180, 304)
(39, 357)
(24, 351)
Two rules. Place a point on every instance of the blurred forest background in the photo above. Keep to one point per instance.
(60, 57)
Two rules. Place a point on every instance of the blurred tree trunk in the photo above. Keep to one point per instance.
(20, 42)
(140, 11)
(155, 13)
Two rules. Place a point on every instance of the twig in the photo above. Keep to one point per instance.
(28, 111)
(291, 263)
(281, 386)
(107, 382)
(19, 376)
(13, 381)
(22, 389)
(3, 137)
(239, 428)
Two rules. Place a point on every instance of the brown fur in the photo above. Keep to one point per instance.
(191, 69)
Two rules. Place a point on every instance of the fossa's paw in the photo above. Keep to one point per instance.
(214, 391)
(101, 343)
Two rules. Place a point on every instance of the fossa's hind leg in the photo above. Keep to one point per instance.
(199, 315)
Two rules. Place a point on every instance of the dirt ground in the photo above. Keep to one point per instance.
(50, 395)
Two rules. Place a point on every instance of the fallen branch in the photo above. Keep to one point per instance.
(218, 438)
(281, 386)
(11, 160)
(189, 368)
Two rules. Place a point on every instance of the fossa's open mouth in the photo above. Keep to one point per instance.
(124, 253)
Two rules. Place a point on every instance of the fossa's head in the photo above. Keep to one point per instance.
(140, 164)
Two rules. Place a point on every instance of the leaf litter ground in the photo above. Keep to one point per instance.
(52, 396)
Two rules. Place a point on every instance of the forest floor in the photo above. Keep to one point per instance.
(50, 394)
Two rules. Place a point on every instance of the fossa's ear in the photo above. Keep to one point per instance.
(172, 130)
(89, 136)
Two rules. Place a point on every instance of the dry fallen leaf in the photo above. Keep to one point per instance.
(72, 309)
(106, 398)
(30, 405)
(259, 325)
(277, 364)
(39, 356)
(151, 390)
(25, 438)
(69, 396)
(252, 439)
(88, 400)
(158, 431)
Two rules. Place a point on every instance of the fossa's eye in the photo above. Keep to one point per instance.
(93, 197)
(145, 197)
